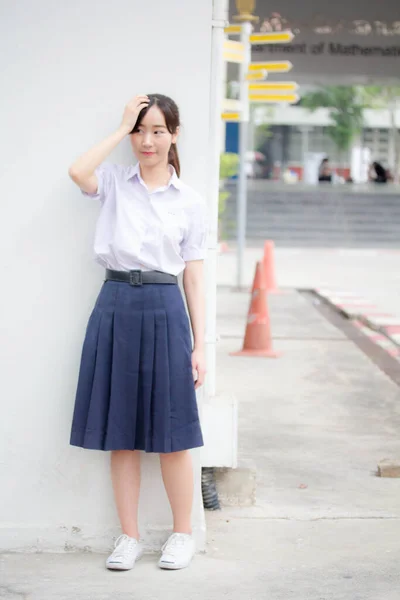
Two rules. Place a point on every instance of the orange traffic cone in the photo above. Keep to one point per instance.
(257, 339)
(259, 281)
(269, 267)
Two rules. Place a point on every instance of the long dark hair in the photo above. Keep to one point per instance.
(172, 120)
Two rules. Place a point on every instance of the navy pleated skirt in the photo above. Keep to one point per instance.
(135, 388)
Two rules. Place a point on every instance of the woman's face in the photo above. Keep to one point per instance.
(152, 141)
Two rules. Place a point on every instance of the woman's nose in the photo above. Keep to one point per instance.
(147, 141)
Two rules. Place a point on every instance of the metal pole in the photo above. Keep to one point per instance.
(243, 134)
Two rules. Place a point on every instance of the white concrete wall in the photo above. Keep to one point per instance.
(69, 69)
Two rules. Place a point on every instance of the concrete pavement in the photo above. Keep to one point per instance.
(371, 272)
(314, 423)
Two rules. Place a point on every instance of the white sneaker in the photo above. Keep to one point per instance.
(177, 551)
(127, 551)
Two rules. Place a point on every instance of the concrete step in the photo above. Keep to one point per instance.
(317, 218)
(334, 236)
(285, 224)
(237, 487)
(316, 212)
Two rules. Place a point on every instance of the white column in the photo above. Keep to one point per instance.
(243, 135)
(219, 411)
(392, 137)
(304, 147)
(217, 91)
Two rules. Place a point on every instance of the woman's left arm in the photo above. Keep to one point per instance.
(193, 283)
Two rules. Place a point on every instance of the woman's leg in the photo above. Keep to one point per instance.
(177, 473)
(125, 475)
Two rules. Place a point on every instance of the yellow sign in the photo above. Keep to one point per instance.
(276, 37)
(283, 66)
(275, 86)
(257, 75)
(230, 116)
(246, 9)
(233, 51)
(274, 98)
(233, 29)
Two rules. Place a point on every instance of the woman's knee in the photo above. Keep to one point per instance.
(174, 456)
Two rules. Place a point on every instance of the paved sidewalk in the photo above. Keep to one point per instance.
(382, 328)
(315, 423)
(362, 283)
(372, 273)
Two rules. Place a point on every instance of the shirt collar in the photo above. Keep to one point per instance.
(134, 171)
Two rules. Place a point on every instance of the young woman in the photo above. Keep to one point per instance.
(378, 173)
(325, 171)
(139, 369)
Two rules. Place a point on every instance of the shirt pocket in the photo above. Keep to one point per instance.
(174, 224)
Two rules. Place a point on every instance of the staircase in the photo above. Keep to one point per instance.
(326, 216)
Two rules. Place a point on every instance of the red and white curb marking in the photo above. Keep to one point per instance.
(382, 328)
(379, 339)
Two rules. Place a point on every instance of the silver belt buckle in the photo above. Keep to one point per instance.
(135, 277)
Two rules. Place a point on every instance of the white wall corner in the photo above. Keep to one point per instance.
(220, 431)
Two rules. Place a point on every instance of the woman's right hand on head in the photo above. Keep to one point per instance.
(132, 110)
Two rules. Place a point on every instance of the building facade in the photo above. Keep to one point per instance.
(295, 131)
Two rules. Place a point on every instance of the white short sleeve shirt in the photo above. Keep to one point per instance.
(137, 228)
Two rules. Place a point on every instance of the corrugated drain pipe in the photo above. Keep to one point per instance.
(209, 489)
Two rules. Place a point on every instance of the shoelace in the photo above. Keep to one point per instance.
(177, 540)
(122, 544)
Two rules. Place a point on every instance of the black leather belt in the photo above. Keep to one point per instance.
(138, 277)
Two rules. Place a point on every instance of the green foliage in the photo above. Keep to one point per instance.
(377, 96)
(223, 197)
(263, 133)
(228, 167)
(346, 105)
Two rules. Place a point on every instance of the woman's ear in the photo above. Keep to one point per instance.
(175, 135)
